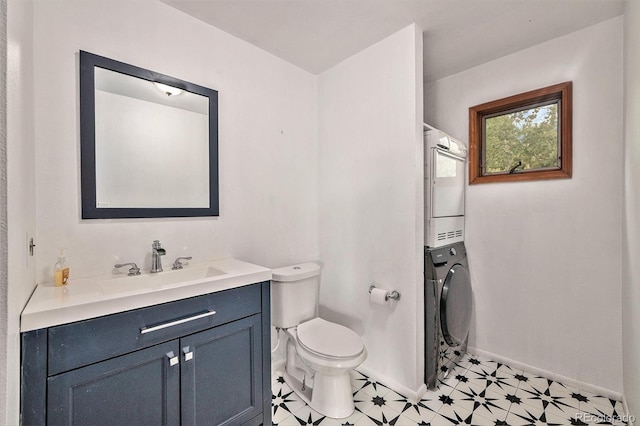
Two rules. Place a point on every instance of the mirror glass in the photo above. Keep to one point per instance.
(149, 143)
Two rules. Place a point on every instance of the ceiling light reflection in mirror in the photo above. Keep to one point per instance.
(140, 125)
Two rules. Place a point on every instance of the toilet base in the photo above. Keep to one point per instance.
(330, 395)
(325, 385)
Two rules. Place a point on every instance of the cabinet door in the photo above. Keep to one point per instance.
(140, 388)
(221, 372)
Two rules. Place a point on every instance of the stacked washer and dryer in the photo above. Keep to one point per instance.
(447, 285)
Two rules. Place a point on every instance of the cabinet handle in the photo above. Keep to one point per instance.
(145, 330)
(188, 355)
(173, 360)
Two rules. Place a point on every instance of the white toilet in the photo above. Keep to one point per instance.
(320, 354)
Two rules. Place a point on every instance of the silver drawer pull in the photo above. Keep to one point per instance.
(145, 330)
(188, 354)
(173, 360)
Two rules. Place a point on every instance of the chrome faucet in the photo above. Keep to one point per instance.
(156, 261)
(134, 270)
(178, 265)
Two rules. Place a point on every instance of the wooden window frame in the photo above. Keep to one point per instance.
(562, 92)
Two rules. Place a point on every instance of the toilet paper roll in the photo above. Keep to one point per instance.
(378, 296)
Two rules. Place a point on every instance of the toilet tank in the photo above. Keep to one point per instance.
(294, 294)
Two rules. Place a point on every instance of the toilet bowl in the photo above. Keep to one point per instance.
(320, 354)
(329, 352)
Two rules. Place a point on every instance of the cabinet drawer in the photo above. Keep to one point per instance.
(74, 345)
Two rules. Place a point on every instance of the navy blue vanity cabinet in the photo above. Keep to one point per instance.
(198, 361)
(140, 388)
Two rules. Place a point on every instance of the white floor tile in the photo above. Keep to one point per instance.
(486, 403)
(422, 411)
(478, 420)
(530, 381)
(463, 363)
(439, 420)
(373, 388)
(557, 388)
(287, 421)
(453, 413)
(590, 401)
(349, 421)
(479, 391)
(309, 416)
(279, 416)
(363, 401)
(381, 414)
(366, 421)
(493, 379)
(507, 370)
(553, 402)
(522, 414)
(404, 420)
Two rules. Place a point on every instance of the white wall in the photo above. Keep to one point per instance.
(4, 287)
(267, 144)
(631, 221)
(370, 150)
(21, 187)
(545, 256)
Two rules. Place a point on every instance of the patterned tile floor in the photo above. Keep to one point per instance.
(478, 391)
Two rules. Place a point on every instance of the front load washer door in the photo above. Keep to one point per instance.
(455, 305)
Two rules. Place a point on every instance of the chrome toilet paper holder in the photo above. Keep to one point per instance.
(394, 294)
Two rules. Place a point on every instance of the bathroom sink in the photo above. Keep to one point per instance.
(160, 280)
(91, 297)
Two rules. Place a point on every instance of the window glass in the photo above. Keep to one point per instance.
(522, 140)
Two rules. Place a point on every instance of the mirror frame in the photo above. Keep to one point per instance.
(88, 63)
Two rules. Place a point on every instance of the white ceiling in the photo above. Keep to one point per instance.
(458, 34)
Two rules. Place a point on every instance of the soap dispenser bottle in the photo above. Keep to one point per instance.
(61, 270)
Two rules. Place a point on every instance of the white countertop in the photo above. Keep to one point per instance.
(92, 297)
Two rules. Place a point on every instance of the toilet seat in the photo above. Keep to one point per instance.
(329, 339)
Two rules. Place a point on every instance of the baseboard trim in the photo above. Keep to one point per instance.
(411, 394)
(625, 407)
(550, 375)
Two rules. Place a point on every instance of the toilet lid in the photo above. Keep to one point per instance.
(329, 339)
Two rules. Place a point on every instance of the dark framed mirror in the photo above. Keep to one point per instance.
(149, 143)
